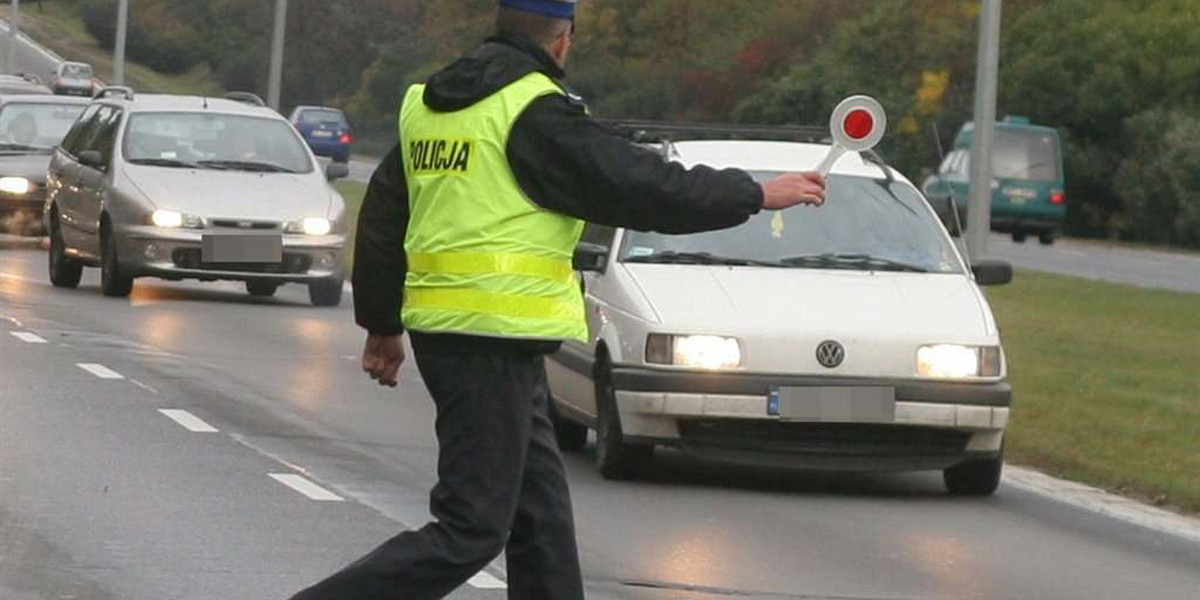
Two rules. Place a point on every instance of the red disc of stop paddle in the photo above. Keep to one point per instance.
(858, 124)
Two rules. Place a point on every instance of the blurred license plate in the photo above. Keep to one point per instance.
(322, 133)
(833, 404)
(242, 248)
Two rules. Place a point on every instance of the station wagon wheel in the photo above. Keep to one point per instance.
(113, 282)
(615, 458)
(979, 477)
(572, 436)
(1018, 237)
(326, 292)
(262, 289)
(64, 272)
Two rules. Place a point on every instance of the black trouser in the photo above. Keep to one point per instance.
(501, 486)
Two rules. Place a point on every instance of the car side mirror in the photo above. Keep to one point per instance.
(93, 159)
(992, 272)
(590, 257)
(336, 170)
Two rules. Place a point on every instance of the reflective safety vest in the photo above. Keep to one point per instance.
(483, 259)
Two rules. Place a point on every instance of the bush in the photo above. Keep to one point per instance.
(1159, 181)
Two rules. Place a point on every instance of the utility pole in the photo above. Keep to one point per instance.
(122, 29)
(14, 25)
(979, 212)
(275, 84)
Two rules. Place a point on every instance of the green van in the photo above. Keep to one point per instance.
(1028, 188)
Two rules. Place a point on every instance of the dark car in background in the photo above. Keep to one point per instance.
(30, 127)
(75, 79)
(326, 131)
(1028, 186)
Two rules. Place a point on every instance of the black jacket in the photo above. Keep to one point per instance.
(562, 159)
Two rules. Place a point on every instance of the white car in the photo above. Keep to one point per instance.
(853, 336)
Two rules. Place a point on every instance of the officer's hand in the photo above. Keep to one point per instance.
(382, 358)
(791, 189)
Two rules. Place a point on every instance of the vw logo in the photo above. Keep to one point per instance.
(830, 354)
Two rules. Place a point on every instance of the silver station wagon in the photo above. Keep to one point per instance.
(183, 187)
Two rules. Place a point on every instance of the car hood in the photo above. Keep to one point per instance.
(233, 194)
(708, 299)
(29, 166)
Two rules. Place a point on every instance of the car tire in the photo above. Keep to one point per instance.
(616, 459)
(1018, 237)
(327, 292)
(979, 477)
(113, 282)
(1046, 237)
(262, 289)
(571, 436)
(64, 271)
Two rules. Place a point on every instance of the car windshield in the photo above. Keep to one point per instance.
(26, 127)
(214, 140)
(322, 116)
(76, 72)
(1027, 155)
(865, 224)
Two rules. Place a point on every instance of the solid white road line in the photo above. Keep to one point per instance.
(27, 337)
(188, 420)
(486, 581)
(100, 371)
(306, 487)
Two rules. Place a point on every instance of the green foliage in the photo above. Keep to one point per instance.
(1160, 178)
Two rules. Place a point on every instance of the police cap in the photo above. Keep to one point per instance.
(557, 9)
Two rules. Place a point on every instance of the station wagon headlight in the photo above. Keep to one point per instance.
(15, 185)
(696, 351)
(313, 226)
(173, 219)
(951, 361)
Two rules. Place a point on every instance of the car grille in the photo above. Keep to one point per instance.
(843, 439)
(190, 258)
(244, 224)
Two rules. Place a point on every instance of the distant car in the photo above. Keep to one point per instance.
(850, 337)
(74, 78)
(1028, 185)
(22, 84)
(183, 187)
(326, 131)
(30, 127)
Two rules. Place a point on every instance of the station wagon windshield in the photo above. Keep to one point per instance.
(866, 224)
(35, 127)
(216, 141)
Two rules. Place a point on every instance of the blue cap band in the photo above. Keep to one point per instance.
(550, 8)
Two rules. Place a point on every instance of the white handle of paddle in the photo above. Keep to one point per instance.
(836, 152)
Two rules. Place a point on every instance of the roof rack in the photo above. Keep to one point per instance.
(665, 131)
(245, 98)
(105, 92)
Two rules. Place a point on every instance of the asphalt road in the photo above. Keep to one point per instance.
(104, 496)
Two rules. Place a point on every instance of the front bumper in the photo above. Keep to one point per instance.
(175, 254)
(725, 417)
(21, 215)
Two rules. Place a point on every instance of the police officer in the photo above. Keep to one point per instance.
(465, 240)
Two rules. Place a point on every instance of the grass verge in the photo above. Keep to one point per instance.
(1106, 386)
(59, 28)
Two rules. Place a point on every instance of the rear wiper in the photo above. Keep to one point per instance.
(694, 258)
(851, 261)
(165, 162)
(248, 165)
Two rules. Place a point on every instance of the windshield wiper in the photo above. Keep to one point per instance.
(165, 162)
(851, 261)
(248, 165)
(695, 258)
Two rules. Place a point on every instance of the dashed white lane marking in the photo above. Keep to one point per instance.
(486, 581)
(27, 337)
(188, 420)
(100, 371)
(143, 386)
(306, 487)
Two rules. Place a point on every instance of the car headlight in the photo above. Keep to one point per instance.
(709, 352)
(174, 219)
(951, 361)
(312, 226)
(15, 185)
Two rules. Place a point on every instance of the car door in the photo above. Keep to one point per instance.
(93, 181)
(65, 173)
